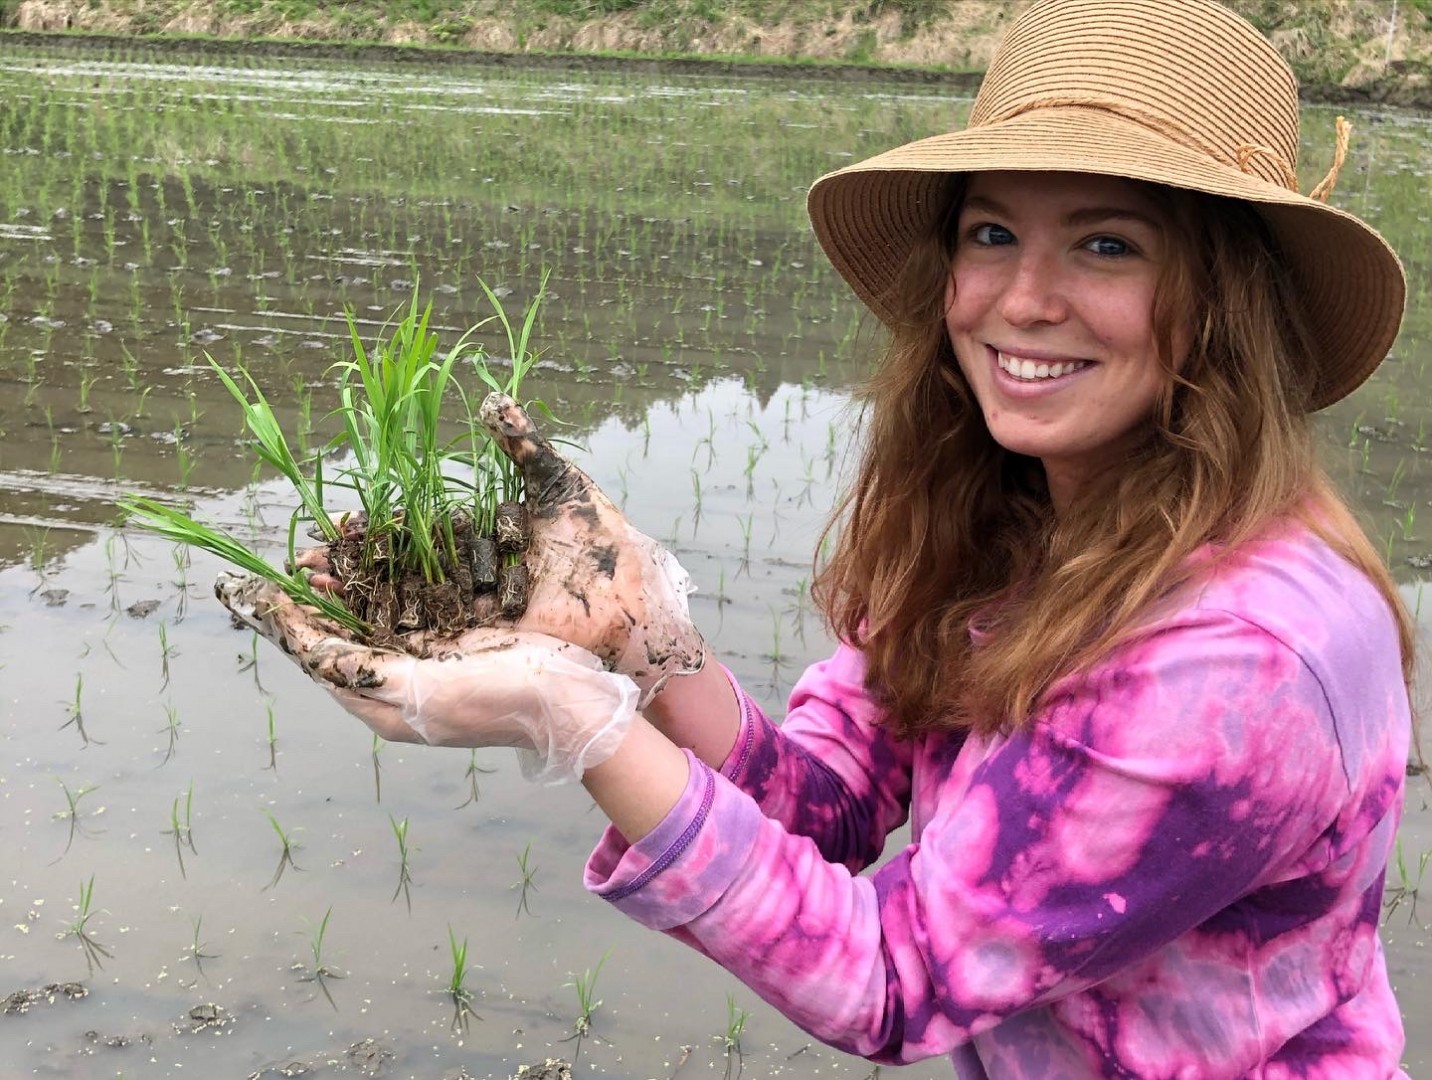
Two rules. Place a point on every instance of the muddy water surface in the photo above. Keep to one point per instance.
(154, 758)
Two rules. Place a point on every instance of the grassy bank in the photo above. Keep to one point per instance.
(1341, 49)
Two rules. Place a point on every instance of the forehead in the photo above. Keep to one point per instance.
(1062, 191)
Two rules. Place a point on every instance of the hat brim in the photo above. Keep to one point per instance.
(867, 217)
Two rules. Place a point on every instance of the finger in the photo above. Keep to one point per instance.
(315, 564)
(314, 558)
(383, 719)
(251, 600)
(342, 665)
(315, 643)
(551, 479)
(330, 584)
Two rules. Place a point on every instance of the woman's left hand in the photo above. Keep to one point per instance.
(486, 687)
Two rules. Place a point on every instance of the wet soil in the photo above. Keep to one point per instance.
(482, 576)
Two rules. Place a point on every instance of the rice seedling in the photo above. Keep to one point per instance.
(456, 989)
(736, 1018)
(249, 661)
(196, 950)
(170, 729)
(166, 652)
(79, 929)
(318, 970)
(271, 736)
(474, 770)
(1408, 885)
(39, 553)
(585, 986)
(76, 712)
(405, 877)
(181, 827)
(285, 856)
(71, 813)
(525, 883)
(373, 753)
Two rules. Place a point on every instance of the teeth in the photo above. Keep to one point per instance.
(1038, 369)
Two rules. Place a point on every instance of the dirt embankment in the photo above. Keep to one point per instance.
(1342, 50)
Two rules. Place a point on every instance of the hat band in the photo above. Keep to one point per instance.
(1243, 155)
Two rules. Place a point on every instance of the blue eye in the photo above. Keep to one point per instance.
(991, 235)
(1108, 245)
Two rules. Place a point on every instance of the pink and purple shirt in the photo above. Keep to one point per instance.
(1175, 871)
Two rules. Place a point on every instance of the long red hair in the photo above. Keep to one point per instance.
(943, 524)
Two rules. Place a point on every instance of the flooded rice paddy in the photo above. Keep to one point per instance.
(203, 857)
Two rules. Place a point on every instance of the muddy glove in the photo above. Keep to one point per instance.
(597, 582)
(554, 702)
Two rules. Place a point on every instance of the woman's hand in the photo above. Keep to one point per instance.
(597, 581)
(488, 687)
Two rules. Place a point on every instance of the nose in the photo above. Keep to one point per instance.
(1034, 292)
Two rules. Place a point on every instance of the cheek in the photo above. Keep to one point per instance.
(1125, 317)
(966, 296)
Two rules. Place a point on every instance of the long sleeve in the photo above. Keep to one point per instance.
(830, 771)
(1177, 866)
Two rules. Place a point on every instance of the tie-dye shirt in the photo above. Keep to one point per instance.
(1175, 871)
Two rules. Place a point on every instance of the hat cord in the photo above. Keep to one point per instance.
(1242, 157)
(1325, 187)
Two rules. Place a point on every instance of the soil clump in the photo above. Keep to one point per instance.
(483, 575)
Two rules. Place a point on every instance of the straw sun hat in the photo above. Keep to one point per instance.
(1177, 92)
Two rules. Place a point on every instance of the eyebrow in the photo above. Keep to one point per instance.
(1086, 215)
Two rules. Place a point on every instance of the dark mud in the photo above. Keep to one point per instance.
(482, 575)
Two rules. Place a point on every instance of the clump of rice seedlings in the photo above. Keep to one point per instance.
(436, 540)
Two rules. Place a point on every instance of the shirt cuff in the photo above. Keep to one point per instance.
(683, 866)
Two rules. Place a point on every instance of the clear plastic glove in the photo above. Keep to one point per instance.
(551, 700)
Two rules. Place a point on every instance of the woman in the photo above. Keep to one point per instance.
(1111, 643)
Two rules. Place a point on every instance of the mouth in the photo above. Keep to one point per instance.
(1029, 369)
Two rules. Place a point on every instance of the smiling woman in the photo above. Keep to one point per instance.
(1050, 312)
(1083, 584)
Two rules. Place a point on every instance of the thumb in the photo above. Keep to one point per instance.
(550, 478)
